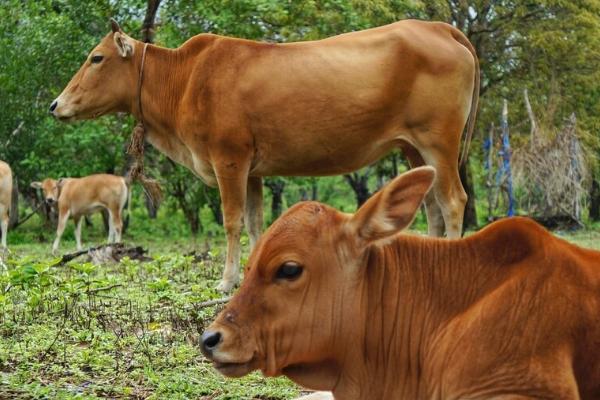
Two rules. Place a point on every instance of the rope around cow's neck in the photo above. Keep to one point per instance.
(140, 81)
(136, 147)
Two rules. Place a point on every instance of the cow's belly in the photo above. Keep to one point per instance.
(84, 210)
(321, 158)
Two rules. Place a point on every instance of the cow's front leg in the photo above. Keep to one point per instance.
(232, 178)
(63, 218)
(253, 216)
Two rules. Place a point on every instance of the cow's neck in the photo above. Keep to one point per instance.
(161, 88)
(411, 288)
(167, 77)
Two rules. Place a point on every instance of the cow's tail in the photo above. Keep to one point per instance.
(470, 127)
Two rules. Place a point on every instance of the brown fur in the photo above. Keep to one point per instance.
(5, 199)
(78, 197)
(234, 111)
(511, 312)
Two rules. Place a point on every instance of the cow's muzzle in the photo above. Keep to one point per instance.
(53, 106)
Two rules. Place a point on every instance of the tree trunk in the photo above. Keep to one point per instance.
(466, 177)
(214, 203)
(148, 24)
(595, 201)
(276, 186)
(359, 183)
(14, 205)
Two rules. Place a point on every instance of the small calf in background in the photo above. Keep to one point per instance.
(78, 197)
(5, 199)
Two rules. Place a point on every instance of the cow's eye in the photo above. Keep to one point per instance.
(97, 59)
(289, 271)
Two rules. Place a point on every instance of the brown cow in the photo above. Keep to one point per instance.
(5, 199)
(341, 302)
(78, 197)
(234, 111)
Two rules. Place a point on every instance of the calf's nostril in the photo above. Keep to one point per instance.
(53, 106)
(210, 340)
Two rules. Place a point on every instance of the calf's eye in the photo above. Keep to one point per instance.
(289, 271)
(97, 59)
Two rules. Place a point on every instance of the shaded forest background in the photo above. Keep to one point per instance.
(551, 48)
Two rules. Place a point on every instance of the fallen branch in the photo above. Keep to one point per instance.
(71, 256)
(104, 288)
(20, 222)
(106, 253)
(211, 302)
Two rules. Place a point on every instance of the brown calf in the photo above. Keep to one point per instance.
(78, 197)
(5, 199)
(342, 303)
(234, 111)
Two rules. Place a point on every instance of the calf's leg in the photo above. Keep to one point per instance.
(4, 224)
(63, 218)
(117, 223)
(78, 223)
(253, 216)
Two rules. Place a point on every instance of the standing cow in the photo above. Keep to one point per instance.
(78, 197)
(234, 111)
(344, 303)
(5, 199)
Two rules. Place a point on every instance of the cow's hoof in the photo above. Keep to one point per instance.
(225, 286)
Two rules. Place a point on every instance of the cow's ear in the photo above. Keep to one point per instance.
(114, 25)
(124, 44)
(36, 185)
(393, 208)
(60, 182)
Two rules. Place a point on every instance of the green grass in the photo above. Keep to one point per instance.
(128, 330)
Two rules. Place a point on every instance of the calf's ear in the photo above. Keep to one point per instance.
(36, 185)
(393, 208)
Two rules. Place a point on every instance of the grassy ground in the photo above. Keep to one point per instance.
(127, 330)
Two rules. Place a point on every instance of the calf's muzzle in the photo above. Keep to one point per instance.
(210, 341)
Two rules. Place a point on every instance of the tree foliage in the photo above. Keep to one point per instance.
(550, 47)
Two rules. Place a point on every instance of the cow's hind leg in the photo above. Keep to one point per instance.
(435, 219)
(4, 225)
(253, 216)
(447, 188)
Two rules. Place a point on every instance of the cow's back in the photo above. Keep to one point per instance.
(354, 94)
(537, 321)
(584, 278)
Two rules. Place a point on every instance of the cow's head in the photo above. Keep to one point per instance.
(297, 306)
(50, 189)
(105, 82)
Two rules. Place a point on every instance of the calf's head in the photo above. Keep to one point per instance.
(50, 189)
(105, 82)
(297, 306)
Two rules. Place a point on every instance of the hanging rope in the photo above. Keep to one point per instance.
(136, 149)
